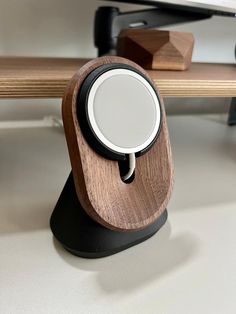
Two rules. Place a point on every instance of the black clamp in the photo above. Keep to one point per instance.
(109, 22)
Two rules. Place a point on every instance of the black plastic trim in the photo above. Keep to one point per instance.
(82, 112)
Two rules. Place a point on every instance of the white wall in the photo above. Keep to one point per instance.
(65, 28)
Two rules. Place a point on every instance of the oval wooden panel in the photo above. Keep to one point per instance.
(102, 193)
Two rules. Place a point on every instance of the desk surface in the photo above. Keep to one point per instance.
(48, 77)
(188, 267)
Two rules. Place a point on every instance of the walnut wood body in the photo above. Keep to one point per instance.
(102, 193)
(157, 50)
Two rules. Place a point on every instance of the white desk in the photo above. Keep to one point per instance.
(188, 267)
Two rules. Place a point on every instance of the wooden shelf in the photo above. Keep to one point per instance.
(48, 77)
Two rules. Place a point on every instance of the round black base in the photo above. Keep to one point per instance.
(84, 237)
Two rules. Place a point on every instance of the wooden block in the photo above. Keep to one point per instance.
(157, 50)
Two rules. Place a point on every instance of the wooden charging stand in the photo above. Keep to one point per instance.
(97, 213)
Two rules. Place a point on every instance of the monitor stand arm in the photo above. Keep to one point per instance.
(232, 110)
(232, 113)
(109, 22)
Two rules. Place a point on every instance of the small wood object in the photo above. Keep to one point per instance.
(157, 49)
(114, 207)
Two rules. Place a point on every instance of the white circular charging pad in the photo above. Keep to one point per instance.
(124, 111)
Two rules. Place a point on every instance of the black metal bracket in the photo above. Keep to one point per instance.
(232, 110)
(232, 113)
(109, 22)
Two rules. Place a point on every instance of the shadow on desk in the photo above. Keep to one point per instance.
(139, 265)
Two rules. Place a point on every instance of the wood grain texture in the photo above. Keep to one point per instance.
(48, 78)
(157, 49)
(102, 193)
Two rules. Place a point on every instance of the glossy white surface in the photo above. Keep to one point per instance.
(218, 5)
(188, 267)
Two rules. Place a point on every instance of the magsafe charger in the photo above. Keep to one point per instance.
(113, 116)
(120, 112)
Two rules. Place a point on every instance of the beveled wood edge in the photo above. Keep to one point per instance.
(25, 77)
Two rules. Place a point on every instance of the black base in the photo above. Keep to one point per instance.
(84, 237)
